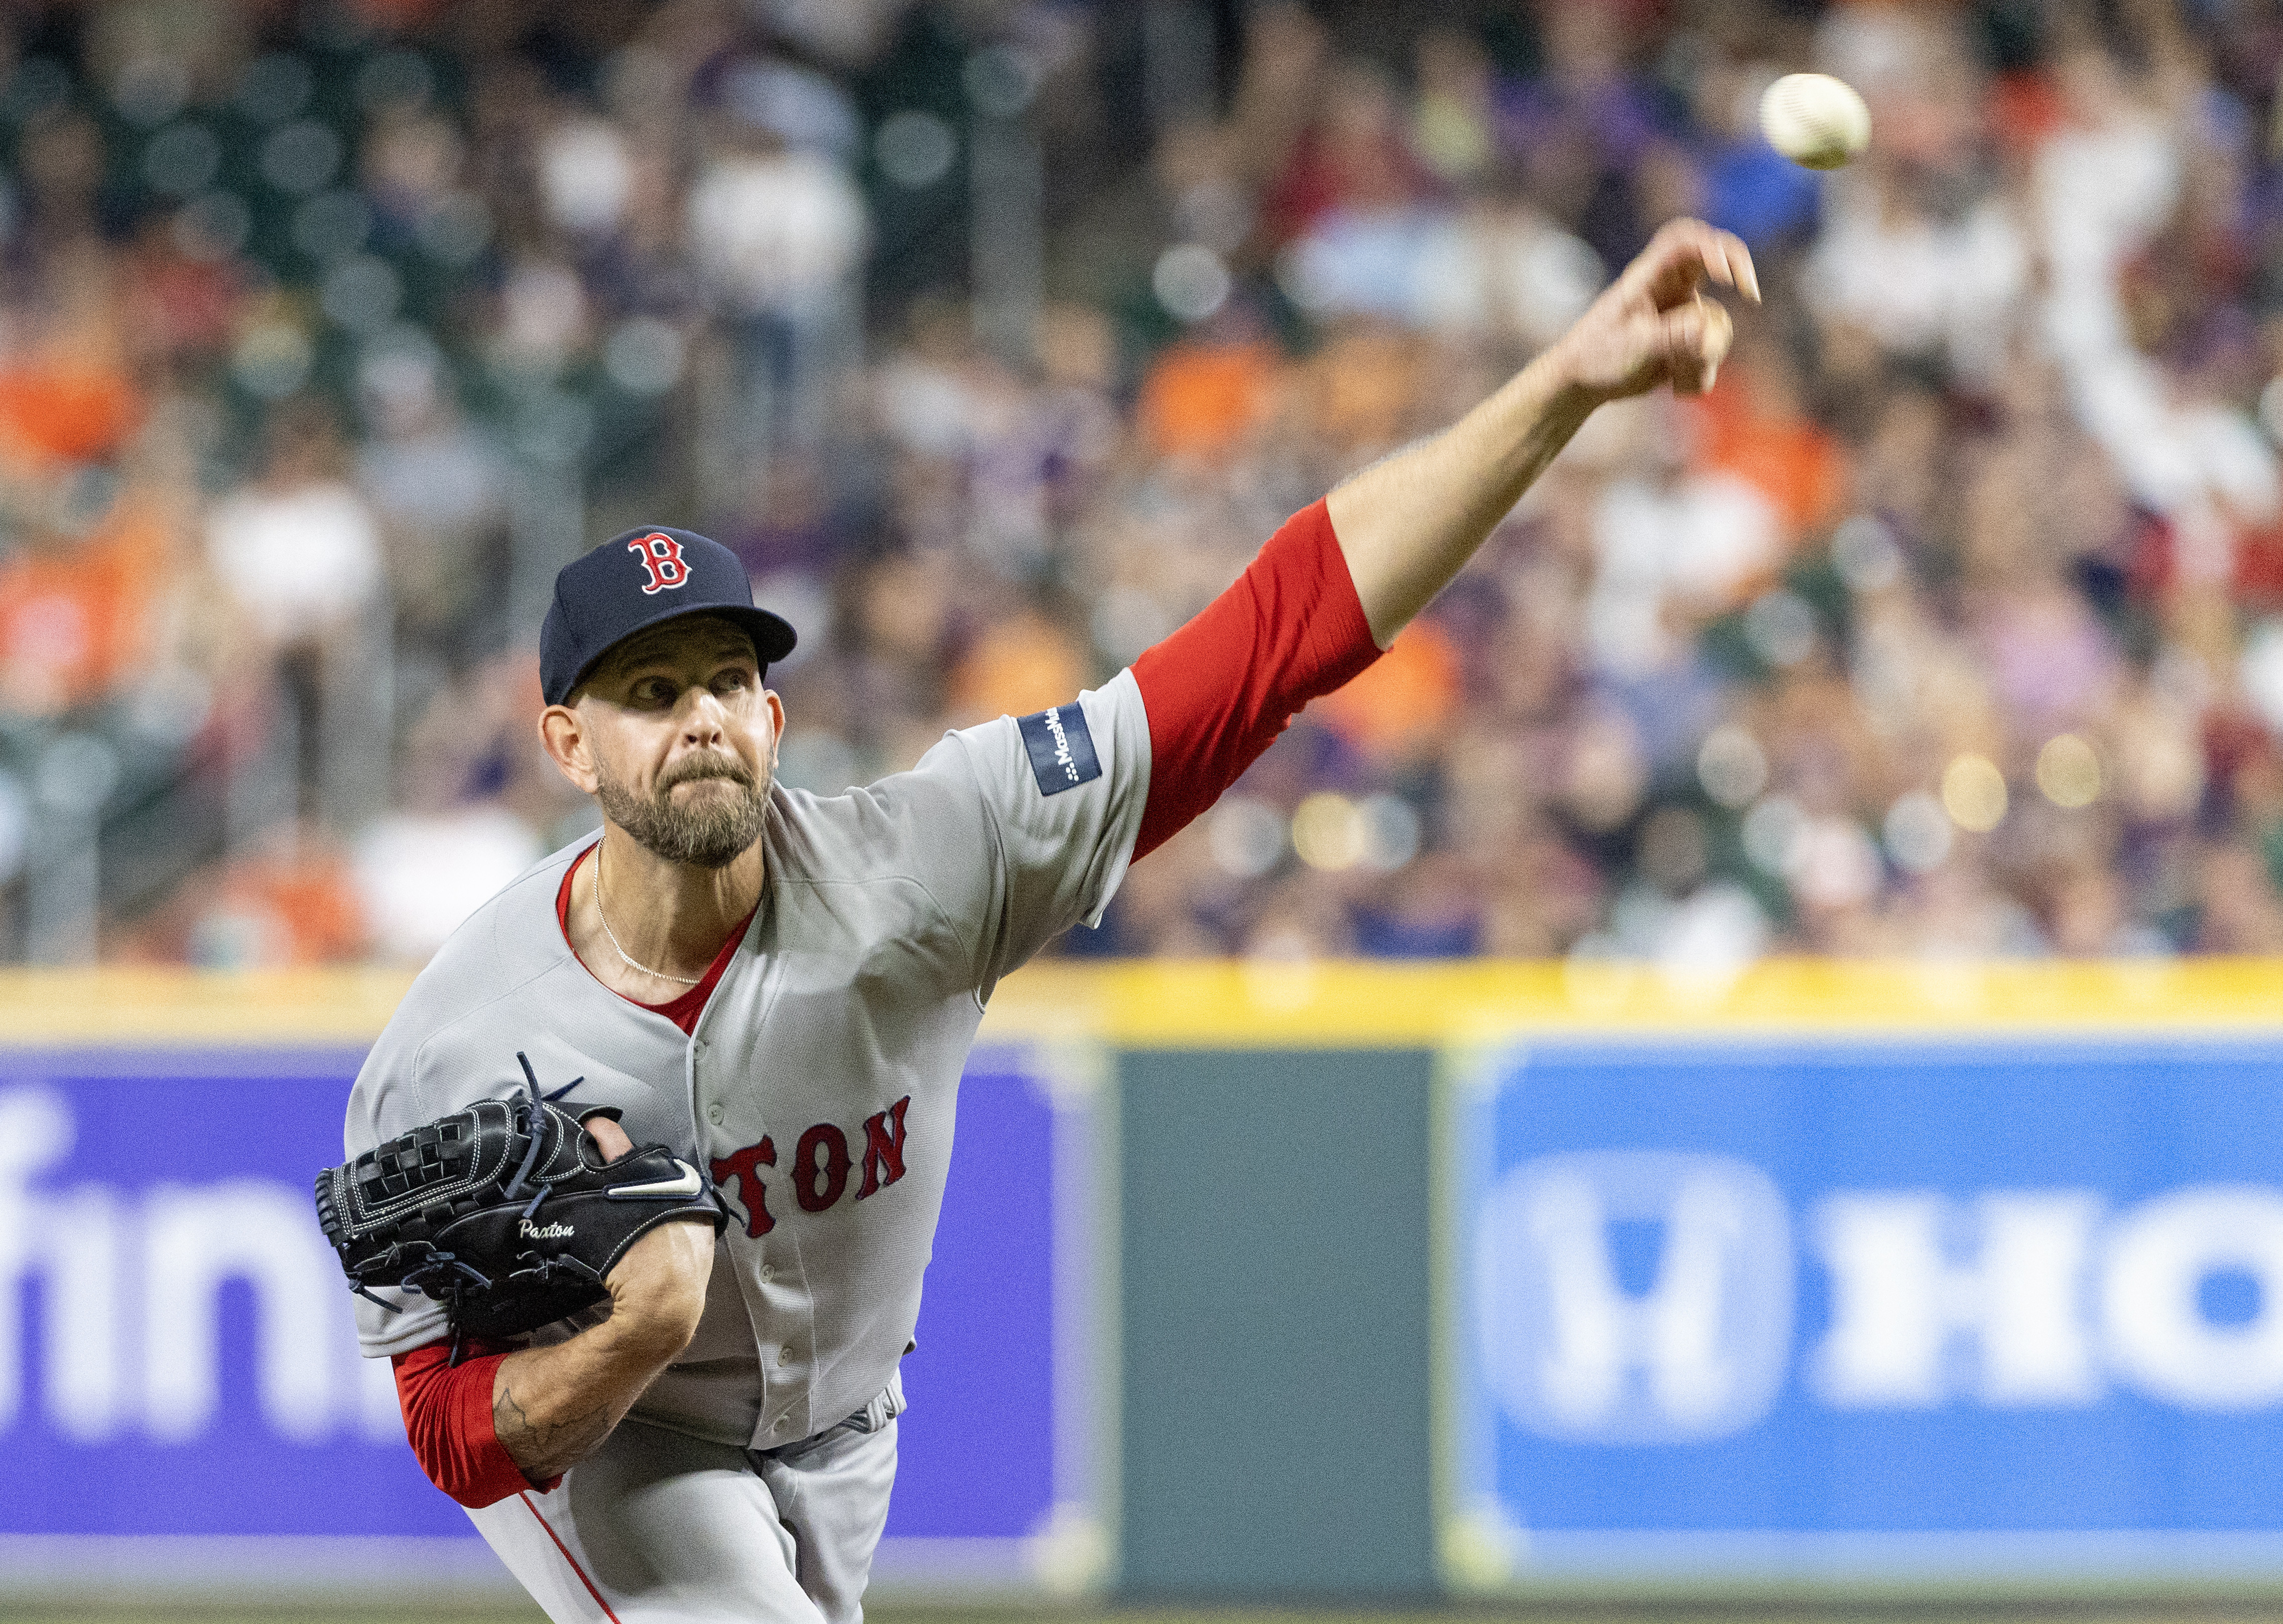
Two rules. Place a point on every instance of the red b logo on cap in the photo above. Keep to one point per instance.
(661, 556)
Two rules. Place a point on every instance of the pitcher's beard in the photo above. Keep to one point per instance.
(711, 834)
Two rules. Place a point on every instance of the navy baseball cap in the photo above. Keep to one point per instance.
(637, 580)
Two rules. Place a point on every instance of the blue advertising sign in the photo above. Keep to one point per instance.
(177, 1357)
(1817, 1305)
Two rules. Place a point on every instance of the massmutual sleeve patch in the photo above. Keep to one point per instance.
(1061, 750)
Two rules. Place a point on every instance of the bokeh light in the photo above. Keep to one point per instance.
(1328, 832)
(1974, 793)
(2069, 771)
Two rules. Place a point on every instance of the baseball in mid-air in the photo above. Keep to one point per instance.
(1814, 120)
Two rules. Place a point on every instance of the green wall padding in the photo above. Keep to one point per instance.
(1275, 1263)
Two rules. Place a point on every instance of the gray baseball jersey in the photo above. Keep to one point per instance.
(820, 1080)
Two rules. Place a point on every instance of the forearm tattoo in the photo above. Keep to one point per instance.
(543, 1448)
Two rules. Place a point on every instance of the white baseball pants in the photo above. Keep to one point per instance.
(657, 1528)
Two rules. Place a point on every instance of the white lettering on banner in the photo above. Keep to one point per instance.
(2014, 1299)
(1570, 1354)
(131, 1299)
(1911, 1326)
(380, 1412)
(2160, 1338)
(256, 1231)
(87, 1383)
(36, 1128)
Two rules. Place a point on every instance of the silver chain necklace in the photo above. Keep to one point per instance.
(687, 980)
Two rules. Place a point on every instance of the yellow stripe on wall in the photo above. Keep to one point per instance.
(140, 1007)
(1348, 1004)
(1218, 1005)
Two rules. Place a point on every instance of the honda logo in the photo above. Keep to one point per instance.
(1573, 1351)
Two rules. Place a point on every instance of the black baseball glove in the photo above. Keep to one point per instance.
(504, 1213)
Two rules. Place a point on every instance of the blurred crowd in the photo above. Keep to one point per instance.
(996, 338)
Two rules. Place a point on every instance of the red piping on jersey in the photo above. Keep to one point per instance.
(572, 1560)
(684, 1010)
(448, 1419)
(1220, 690)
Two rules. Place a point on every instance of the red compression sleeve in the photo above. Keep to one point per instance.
(447, 1418)
(1222, 689)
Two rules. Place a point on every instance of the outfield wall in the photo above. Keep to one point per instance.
(1255, 1280)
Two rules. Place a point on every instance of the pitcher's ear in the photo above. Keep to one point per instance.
(562, 735)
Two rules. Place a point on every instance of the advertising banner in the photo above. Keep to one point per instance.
(179, 1376)
(1823, 1306)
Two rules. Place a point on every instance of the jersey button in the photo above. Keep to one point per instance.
(784, 1357)
(768, 1273)
(713, 1114)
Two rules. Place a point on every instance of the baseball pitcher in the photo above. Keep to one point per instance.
(773, 993)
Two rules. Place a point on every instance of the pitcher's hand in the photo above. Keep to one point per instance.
(1654, 324)
(658, 1289)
